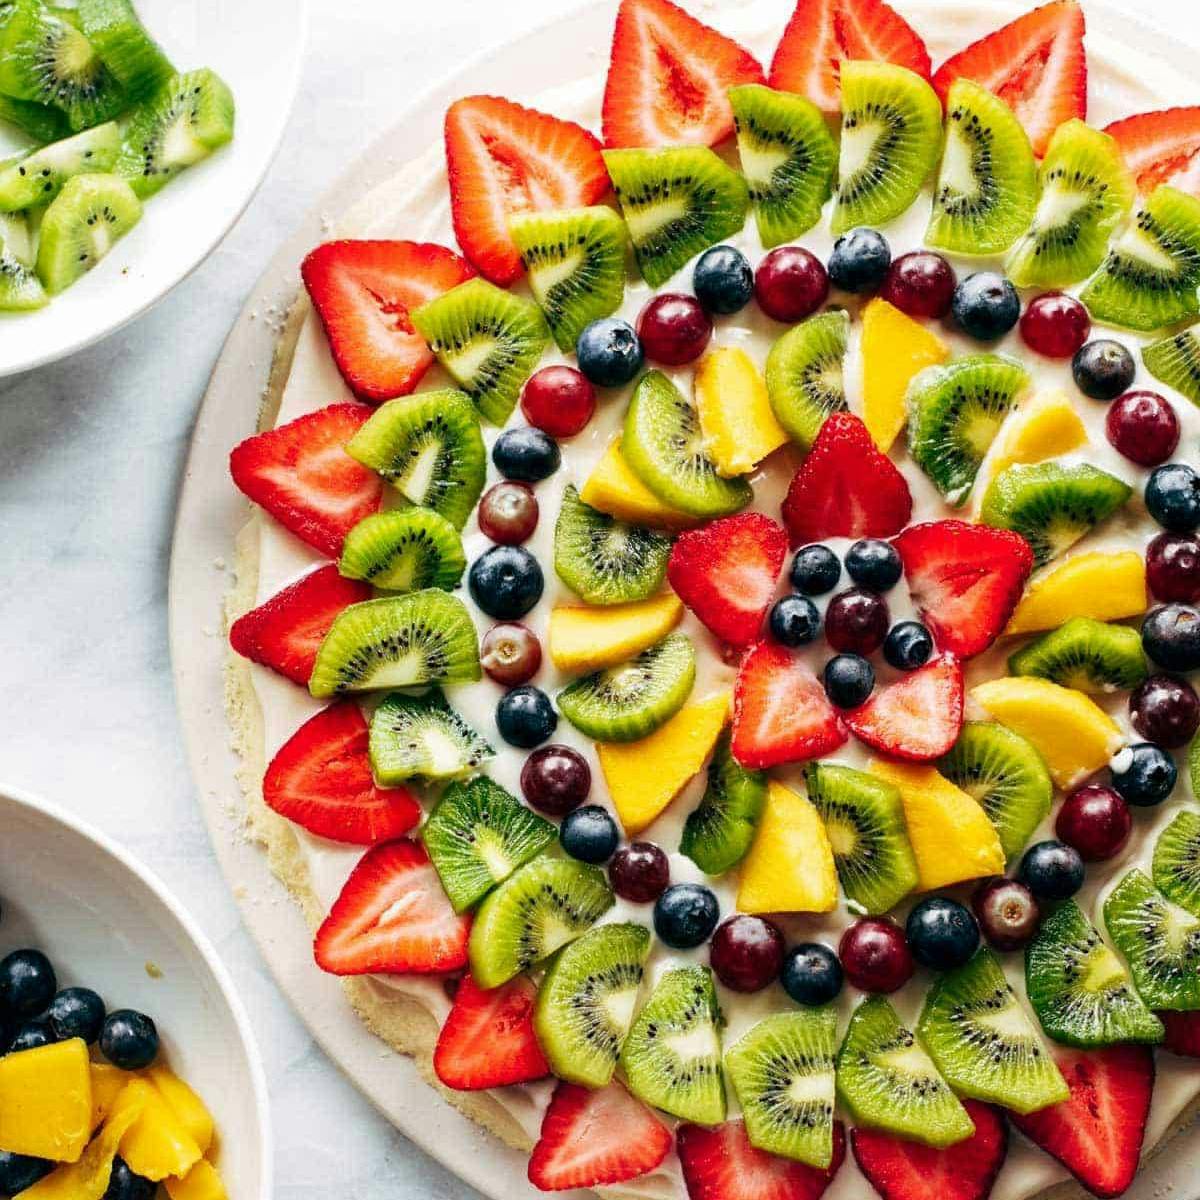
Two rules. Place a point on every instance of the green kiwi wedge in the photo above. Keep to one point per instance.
(664, 447)
(719, 832)
(864, 819)
(20, 288)
(587, 1000)
(82, 224)
(404, 550)
(788, 158)
(1176, 866)
(537, 910)
(987, 185)
(398, 641)
(422, 737)
(39, 122)
(672, 1056)
(1175, 361)
(676, 202)
(1089, 656)
(604, 561)
(804, 375)
(121, 40)
(16, 232)
(886, 1080)
(38, 177)
(429, 447)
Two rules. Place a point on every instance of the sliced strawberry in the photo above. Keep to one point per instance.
(1183, 1033)
(321, 779)
(918, 717)
(965, 580)
(301, 474)
(846, 487)
(503, 159)
(392, 917)
(720, 1164)
(726, 573)
(668, 76)
(780, 711)
(872, 29)
(1035, 64)
(1097, 1133)
(363, 293)
(900, 1169)
(488, 1039)
(592, 1138)
(1161, 147)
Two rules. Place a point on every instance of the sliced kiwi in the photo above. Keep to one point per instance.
(121, 40)
(39, 122)
(718, 834)
(891, 138)
(1087, 655)
(987, 186)
(954, 414)
(430, 448)
(1086, 192)
(672, 1056)
(82, 224)
(587, 1000)
(20, 288)
(537, 910)
(1177, 860)
(488, 340)
(1004, 772)
(404, 550)
(864, 819)
(676, 202)
(887, 1081)
(17, 233)
(398, 641)
(1151, 277)
(603, 560)
(1051, 505)
(477, 835)
(805, 375)
(38, 177)
(664, 446)
(782, 1073)
(422, 737)
(1080, 989)
(1175, 361)
(983, 1041)
(788, 158)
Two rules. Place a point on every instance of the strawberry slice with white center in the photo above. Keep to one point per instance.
(392, 918)
(726, 573)
(363, 292)
(668, 78)
(1161, 147)
(321, 779)
(301, 474)
(593, 1138)
(917, 718)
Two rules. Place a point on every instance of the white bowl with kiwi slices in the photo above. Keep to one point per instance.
(132, 135)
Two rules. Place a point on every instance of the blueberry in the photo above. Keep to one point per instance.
(506, 582)
(1171, 636)
(1051, 870)
(874, 564)
(1103, 369)
(942, 934)
(795, 621)
(589, 834)
(849, 680)
(685, 915)
(859, 261)
(29, 1035)
(123, 1184)
(811, 974)
(609, 352)
(27, 982)
(526, 454)
(76, 1013)
(1173, 497)
(723, 280)
(1143, 774)
(985, 306)
(525, 717)
(129, 1039)
(815, 570)
(21, 1171)
(908, 645)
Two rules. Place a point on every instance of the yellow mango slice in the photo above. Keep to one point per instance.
(158, 1143)
(894, 349)
(739, 428)
(107, 1084)
(644, 777)
(951, 835)
(1071, 731)
(1103, 585)
(201, 1183)
(614, 489)
(185, 1104)
(790, 866)
(46, 1101)
(589, 639)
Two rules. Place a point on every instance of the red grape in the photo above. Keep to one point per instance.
(559, 400)
(1055, 325)
(791, 284)
(921, 284)
(747, 953)
(674, 329)
(1143, 427)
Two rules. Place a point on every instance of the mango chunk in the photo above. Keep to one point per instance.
(107, 1084)
(158, 1143)
(644, 777)
(185, 1104)
(1044, 426)
(46, 1101)
(202, 1182)
(739, 427)
(951, 835)
(1103, 585)
(614, 489)
(590, 639)
(790, 866)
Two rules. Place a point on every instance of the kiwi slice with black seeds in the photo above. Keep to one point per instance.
(38, 177)
(1176, 866)
(39, 122)
(121, 40)
(404, 550)
(804, 375)
(587, 1000)
(1175, 361)
(719, 832)
(429, 447)
(1084, 654)
(422, 737)
(788, 158)
(20, 288)
(82, 224)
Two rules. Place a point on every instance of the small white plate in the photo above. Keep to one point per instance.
(257, 48)
(108, 924)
